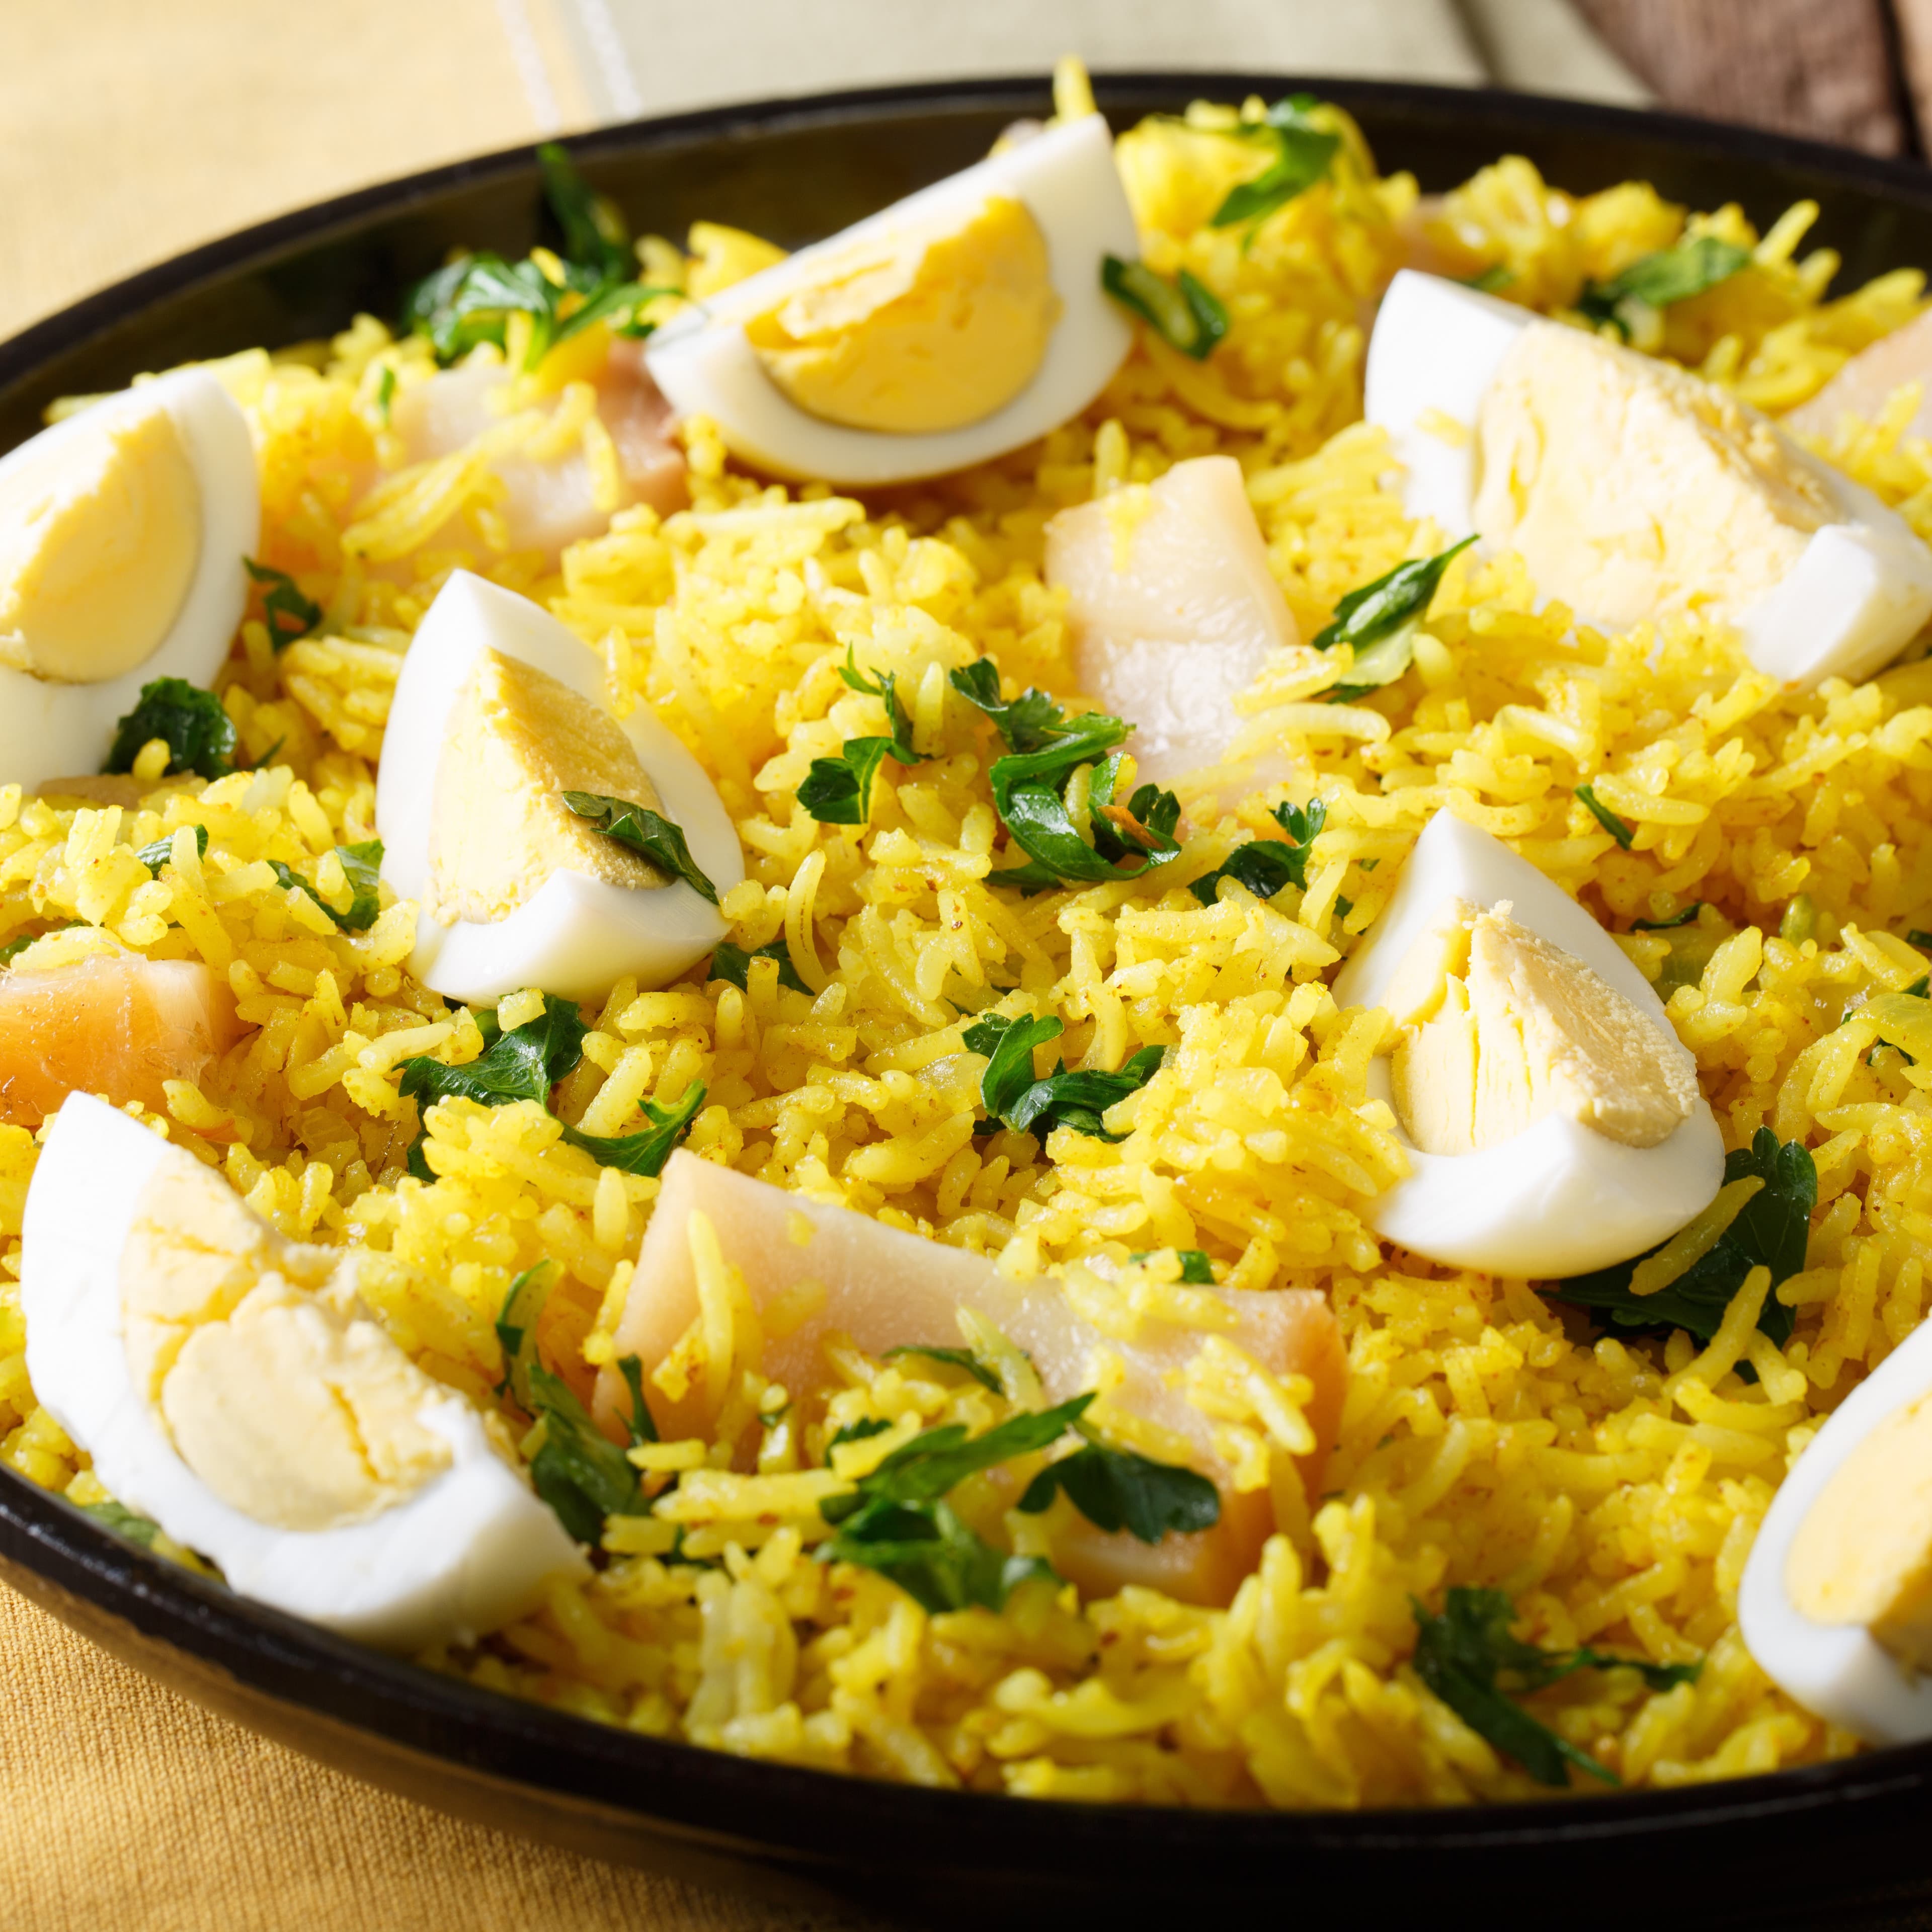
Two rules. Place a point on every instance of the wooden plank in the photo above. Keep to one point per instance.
(1819, 68)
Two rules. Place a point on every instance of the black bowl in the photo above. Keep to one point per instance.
(1838, 1843)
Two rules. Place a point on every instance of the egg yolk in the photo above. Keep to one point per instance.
(276, 1386)
(1631, 487)
(1863, 1554)
(928, 328)
(1502, 1028)
(99, 538)
(518, 739)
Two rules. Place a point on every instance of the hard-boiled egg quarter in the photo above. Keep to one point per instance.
(1552, 1119)
(230, 1385)
(1633, 489)
(498, 713)
(1836, 1601)
(122, 533)
(954, 326)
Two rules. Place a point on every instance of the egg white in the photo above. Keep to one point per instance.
(1559, 1199)
(1840, 1672)
(1858, 594)
(52, 730)
(1067, 177)
(577, 936)
(468, 1550)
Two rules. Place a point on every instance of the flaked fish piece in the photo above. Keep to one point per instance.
(814, 1272)
(1866, 382)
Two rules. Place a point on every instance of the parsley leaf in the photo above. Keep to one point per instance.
(1656, 280)
(932, 1465)
(1621, 830)
(838, 791)
(362, 864)
(647, 832)
(1771, 1231)
(1045, 747)
(1264, 865)
(200, 735)
(287, 612)
(1463, 1653)
(1196, 1270)
(645, 1152)
(1492, 280)
(1184, 314)
(469, 301)
(123, 1521)
(156, 856)
(1303, 153)
(1116, 1489)
(595, 236)
(523, 1064)
(1379, 621)
(1670, 925)
(1064, 1098)
(732, 964)
(963, 1359)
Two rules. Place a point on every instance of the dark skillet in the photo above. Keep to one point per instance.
(1847, 1843)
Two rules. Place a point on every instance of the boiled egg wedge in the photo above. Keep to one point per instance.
(1552, 1119)
(954, 326)
(1634, 489)
(231, 1386)
(1836, 1602)
(497, 715)
(122, 533)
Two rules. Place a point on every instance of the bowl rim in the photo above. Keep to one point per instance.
(53, 1551)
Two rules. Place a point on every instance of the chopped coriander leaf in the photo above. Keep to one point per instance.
(1343, 906)
(14, 947)
(640, 1423)
(732, 964)
(1184, 314)
(361, 865)
(645, 1152)
(1467, 1657)
(1196, 1270)
(1923, 940)
(1045, 747)
(962, 1359)
(1771, 1231)
(517, 1328)
(1656, 280)
(1076, 1099)
(1492, 280)
(838, 791)
(123, 1521)
(1116, 1489)
(287, 612)
(1670, 925)
(934, 1463)
(200, 736)
(858, 1431)
(1379, 621)
(1304, 151)
(469, 301)
(1620, 830)
(595, 236)
(646, 832)
(162, 850)
(523, 1064)
(385, 394)
(1265, 866)
(885, 688)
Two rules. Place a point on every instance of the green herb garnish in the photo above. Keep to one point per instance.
(732, 964)
(1468, 1658)
(838, 791)
(1045, 748)
(1379, 621)
(287, 612)
(1116, 1488)
(1671, 924)
(1184, 314)
(1621, 830)
(1065, 1098)
(1303, 153)
(162, 850)
(1490, 281)
(361, 865)
(385, 394)
(123, 1521)
(646, 1152)
(595, 236)
(647, 832)
(1628, 301)
(200, 736)
(1771, 1231)
(962, 1359)
(1265, 866)
(1196, 1270)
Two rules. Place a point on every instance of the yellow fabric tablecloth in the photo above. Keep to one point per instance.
(131, 130)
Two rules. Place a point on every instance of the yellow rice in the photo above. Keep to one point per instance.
(1612, 1487)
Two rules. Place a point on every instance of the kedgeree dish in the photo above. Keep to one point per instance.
(1120, 992)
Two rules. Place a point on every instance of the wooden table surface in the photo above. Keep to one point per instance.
(1855, 71)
